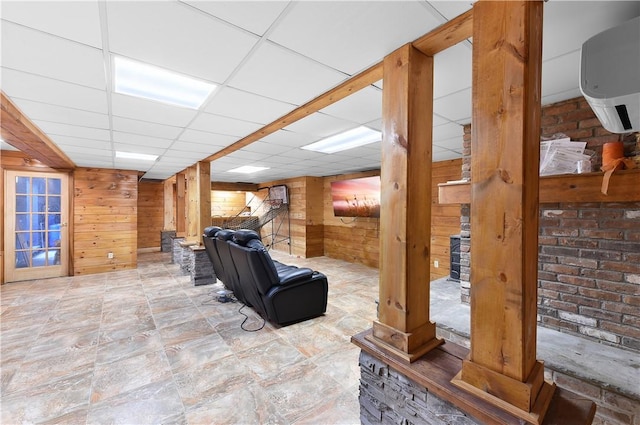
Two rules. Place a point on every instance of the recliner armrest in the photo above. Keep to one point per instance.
(290, 276)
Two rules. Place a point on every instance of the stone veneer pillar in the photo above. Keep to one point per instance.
(166, 240)
(176, 250)
(200, 267)
(465, 222)
(389, 397)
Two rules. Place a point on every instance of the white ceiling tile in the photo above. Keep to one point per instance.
(451, 70)
(206, 137)
(558, 97)
(445, 155)
(147, 110)
(275, 72)
(451, 9)
(135, 148)
(362, 106)
(230, 102)
(64, 141)
(177, 37)
(454, 107)
(565, 31)
(73, 130)
(136, 139)
(267, 148)
(75, 20)
(50, 56)
(446, 131)
(86, 149)
(351, 36)
(554, 80)
(454, 143)
(248, 156)
(254, 16)
(206, 149)
(46, 90)
(145, 128)
(223, 125)
(61, 114)
(179, 153)
(320, 125)
(288, 138)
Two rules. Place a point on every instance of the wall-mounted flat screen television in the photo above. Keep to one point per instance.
(356, 197)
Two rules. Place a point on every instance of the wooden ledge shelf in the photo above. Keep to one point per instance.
(624, 186)
(435, 370)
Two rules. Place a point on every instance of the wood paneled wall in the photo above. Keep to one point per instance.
(227, 203)
(150, 214)
(358, 241)
(105, 220)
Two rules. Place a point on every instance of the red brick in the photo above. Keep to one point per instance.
(558, 213)
(560, 108)
(559, 287)
(602, 274)
(632, 257)
(559, 324)
(547, 240)
(579, 223)
(612, 415)
(632, 300)
(589, 123)
(600, 295)
(602, 234)
(580, 300)
(542, 258)
(564, 127)
(601, 255)
(625, 267)
(619, 287)
(561, 305)
(631, 321)
(600, 314)
(633, 236)
(621, 402)
(619, 224)
(580, 262)
(552, 231)
(619, 329)
(577, 281)
(548, 293)
(578, 243)
(602, 213)
(560, 251)
(562, 269)
(621, 307)
(549, 222)
(577, 386)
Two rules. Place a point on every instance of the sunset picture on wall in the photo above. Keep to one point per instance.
(356, 197)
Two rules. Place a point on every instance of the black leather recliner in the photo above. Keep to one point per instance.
(283, 294)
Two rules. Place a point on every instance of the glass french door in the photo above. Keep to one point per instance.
(36, 232)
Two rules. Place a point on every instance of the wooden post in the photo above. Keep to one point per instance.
(199, 191)
(505, 143)
(169, 204)
(181, 207)
(403, 325)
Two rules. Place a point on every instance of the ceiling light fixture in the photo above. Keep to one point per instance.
(247, 169)
(153, 83)
(132, 155)
(350, 139)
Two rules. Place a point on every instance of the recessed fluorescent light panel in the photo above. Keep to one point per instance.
(350, 139)
(140, 156)
(247, 169)
(153, 83)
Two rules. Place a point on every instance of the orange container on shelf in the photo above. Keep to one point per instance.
(612, 151)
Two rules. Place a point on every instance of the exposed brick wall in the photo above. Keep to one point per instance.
(589, 270)
(589, 253)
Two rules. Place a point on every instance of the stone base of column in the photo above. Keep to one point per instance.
(200, 267)
(166, 240)
(176, 249)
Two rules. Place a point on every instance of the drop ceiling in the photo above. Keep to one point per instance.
(268, 58)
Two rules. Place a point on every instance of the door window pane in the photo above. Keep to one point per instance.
(39, 203)
(39, 258)
(22, 222)
(22, 203)
(54, 204)
(22, 184)
(22, 259)
(38, 186)
(54, 186)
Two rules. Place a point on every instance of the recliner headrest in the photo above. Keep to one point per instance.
(211, 231)
(242, 236)
(225, 234)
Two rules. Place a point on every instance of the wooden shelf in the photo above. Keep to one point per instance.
(624, 186)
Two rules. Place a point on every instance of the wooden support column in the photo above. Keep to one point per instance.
(403, 325)
(505, 142)
(181, 207)
(199, 192)
(169, 197)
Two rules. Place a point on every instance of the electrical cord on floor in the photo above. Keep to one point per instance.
(247, 318)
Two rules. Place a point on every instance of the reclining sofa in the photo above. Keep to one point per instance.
(280, 293)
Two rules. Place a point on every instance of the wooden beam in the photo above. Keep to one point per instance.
(623, 187)
(505, 141)
(233, 187)
(405, 218)
(447, 35)
(352, 85)
(199, 200)
(22, 134)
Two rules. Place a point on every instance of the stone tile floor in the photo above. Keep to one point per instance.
(145, 346)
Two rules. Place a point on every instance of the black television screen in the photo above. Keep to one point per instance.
(356, 197)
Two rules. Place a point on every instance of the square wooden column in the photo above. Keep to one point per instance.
(169, 197)
(403, 325)
(181, 206)
(199, 192)
(505, 153)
